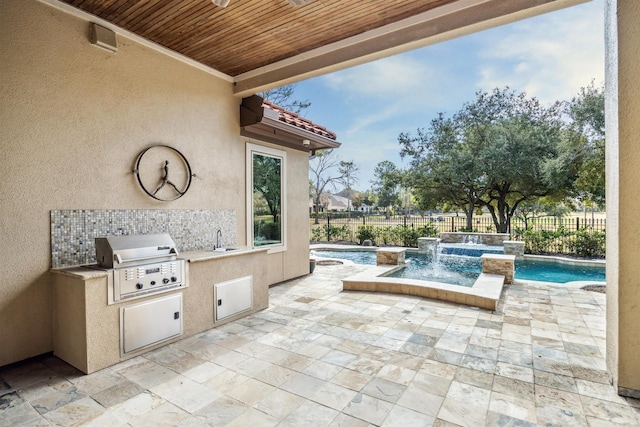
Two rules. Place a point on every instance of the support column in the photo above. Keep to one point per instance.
(513, 247)
(622, 100)
(390, 256)
(502, 265)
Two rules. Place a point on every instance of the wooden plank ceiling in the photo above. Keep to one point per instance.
(249, 34)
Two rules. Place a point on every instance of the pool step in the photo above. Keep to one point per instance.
(484, 293)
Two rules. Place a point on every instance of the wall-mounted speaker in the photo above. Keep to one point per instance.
(103, 37)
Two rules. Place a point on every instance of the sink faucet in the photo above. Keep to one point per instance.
(218, 237)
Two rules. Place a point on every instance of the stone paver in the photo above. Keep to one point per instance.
(321, 356)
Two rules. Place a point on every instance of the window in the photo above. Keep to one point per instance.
(266, 197)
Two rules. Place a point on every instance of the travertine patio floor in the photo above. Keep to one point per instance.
(323, 357)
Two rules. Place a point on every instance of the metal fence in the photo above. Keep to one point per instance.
(580, 236)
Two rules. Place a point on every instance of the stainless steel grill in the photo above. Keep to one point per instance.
(141, 265)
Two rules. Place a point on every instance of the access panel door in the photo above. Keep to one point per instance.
(233, 297)
(150, 322)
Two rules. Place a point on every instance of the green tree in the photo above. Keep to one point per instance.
(387, 184)
(369, 198)
(324, 176)
(444, 167)
(357, 199)
(497, 152)
(520, 141)
(531, 210)
(584, 145)
(348, 172)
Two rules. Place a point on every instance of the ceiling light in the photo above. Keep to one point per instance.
(221, 3)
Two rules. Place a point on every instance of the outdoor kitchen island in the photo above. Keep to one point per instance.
(88, 328)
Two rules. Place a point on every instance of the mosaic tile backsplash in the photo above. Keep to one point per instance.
(73, 231)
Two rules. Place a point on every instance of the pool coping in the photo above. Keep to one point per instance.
(484, 293)
(569, 261)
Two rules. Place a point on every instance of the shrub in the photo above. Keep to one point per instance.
(405, 236)
(319, 234)
(408, 236)
(588, 244)
(342, 232)
(386, 235)
(429, 230)
(366, 232)
(582, 243)
(545, 241)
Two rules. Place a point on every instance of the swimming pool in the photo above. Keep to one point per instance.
(464, 270)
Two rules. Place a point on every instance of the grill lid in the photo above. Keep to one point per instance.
(124, 251)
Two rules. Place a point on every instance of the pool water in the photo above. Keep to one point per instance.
(559, 273)
(464, 270)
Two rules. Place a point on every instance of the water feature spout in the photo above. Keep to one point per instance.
(471, 239)
(435, 264)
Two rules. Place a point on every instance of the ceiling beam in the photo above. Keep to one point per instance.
(454, 20)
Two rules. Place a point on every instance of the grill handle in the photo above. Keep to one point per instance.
(117, 258)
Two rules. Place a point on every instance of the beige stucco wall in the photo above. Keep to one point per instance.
(623, 199)
(73, 119)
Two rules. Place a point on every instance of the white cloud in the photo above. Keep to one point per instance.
(383, 79)
(549, 57)
(380, 92)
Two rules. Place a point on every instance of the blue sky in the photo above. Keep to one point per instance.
(550, 56)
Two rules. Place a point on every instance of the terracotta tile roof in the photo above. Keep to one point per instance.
(300, 122)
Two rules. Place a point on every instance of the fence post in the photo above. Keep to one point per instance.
(404, 226)
(577, 223)
(328, 229)
(453, 228)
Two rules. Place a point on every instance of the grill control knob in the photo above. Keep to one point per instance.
(174, 279)
(153, 282)
(165, 280)
(139, 285)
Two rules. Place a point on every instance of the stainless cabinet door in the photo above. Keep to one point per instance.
(233, 297)
(150, 322)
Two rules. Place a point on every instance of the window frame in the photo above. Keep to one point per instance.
(251, 150)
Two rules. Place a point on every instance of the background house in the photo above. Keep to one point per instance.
(331, 203)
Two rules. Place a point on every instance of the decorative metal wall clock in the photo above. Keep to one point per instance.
(163, 172)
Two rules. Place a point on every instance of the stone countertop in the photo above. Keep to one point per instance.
(83, 272)
(93, 271)
(203, 255)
